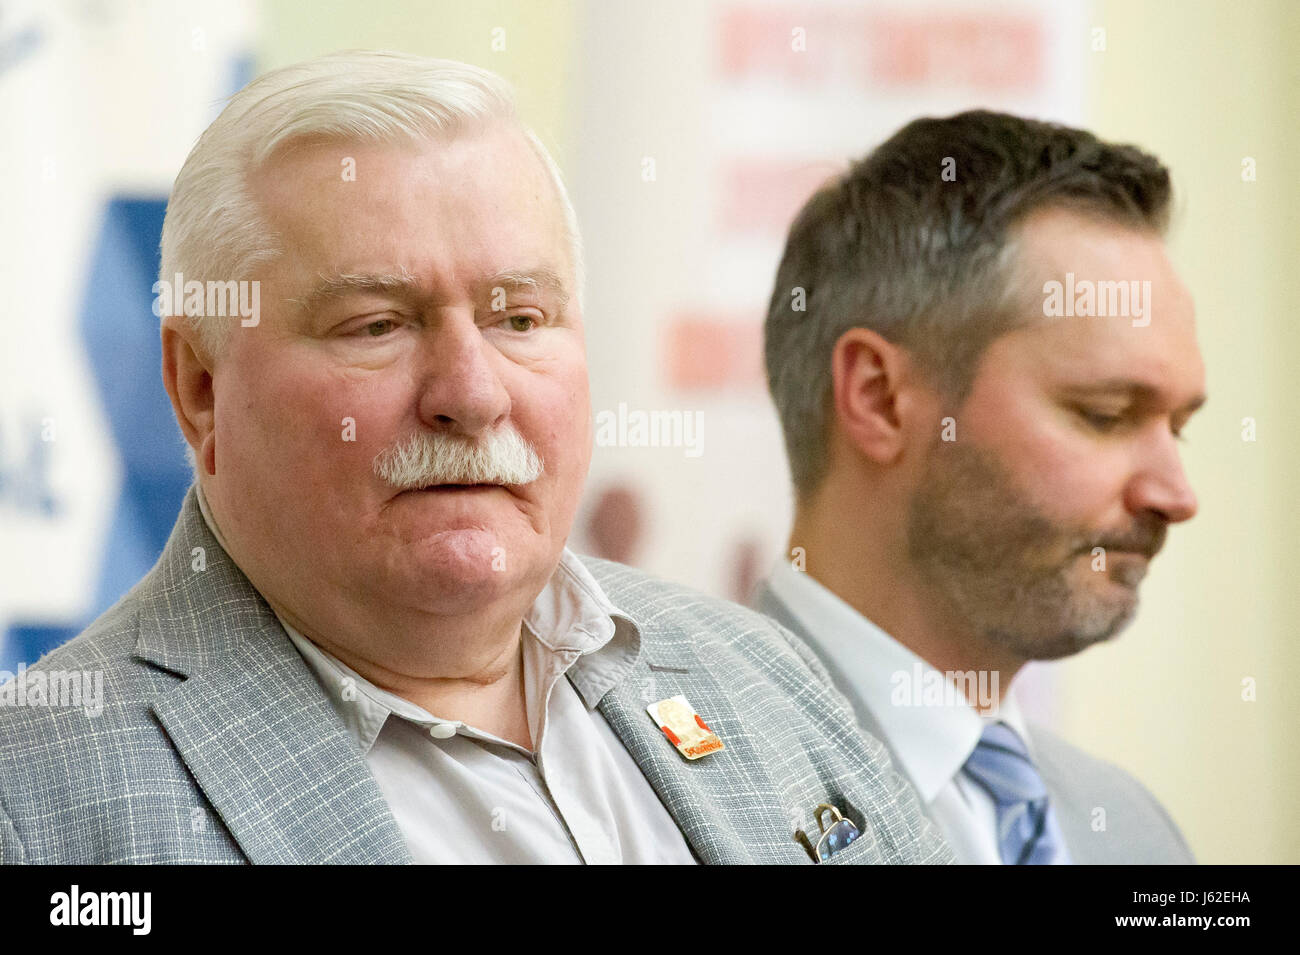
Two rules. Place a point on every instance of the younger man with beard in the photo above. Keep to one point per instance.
(981, 404)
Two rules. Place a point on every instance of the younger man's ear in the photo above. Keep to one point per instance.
(873, 387)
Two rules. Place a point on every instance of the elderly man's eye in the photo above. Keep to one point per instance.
(521, 323)
(379, 327)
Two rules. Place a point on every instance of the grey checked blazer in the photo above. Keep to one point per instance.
(216, 743)
(1137, 828)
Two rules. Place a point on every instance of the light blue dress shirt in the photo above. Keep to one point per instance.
(884, 684)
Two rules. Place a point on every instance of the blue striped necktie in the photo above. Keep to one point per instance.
(1027, 830)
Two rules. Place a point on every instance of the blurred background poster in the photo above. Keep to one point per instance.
(99, 102)
(690, 132)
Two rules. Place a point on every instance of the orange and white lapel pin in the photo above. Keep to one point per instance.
(684, 727)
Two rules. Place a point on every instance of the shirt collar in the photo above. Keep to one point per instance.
(573, 612)
(208, 518)
(931, 743)
(571, 616)
(362, 706)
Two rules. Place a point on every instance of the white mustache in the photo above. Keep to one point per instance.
(502, 456)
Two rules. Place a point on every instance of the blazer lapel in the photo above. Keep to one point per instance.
(250, 721)
(718, 801)
(1072, 805)
(274, 761)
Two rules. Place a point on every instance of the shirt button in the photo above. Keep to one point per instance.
(442, 730)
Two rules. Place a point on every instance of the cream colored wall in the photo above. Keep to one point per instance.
(1204, 84)
(537, 35)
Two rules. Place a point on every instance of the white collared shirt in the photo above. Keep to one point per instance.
(930, 744)
(461, 795)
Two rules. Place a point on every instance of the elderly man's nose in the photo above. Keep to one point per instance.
(460, 387)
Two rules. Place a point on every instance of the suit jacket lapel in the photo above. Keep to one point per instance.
(250, 722)
(1073, 813)
(716, 800)
(271, 756)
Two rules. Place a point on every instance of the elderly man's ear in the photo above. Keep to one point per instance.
(187, 376)
(882, 401)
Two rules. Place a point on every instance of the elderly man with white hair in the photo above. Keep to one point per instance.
(365, 640)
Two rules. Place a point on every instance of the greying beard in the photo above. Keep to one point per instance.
(997, 561)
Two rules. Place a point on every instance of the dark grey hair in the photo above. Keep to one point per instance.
(916, 241)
